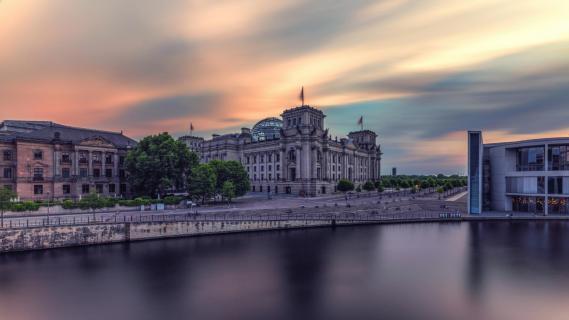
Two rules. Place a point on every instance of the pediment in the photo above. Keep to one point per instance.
(97, 142)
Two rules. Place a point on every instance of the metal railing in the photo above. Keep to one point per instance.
(367, 216)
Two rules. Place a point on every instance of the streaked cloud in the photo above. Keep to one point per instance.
(421, 72)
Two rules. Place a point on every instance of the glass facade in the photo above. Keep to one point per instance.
(527, 185)
(530, 159)
(558, 185)
(528, 204)
(557, 205)
(558, 157)
(474, 172)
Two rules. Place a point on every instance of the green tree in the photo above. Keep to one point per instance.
(232, 171)
(369, 186)
(345, 185)
(6, 196)
(201, 183)
(159, 163)
(228, 191)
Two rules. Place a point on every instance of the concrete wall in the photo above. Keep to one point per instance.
(66, 236)
(54, 237)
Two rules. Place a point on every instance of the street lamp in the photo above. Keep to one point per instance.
(48, 194)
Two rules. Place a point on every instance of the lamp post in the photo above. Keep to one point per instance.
(48, 193)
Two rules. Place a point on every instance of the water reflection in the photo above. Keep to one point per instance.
(417, 271)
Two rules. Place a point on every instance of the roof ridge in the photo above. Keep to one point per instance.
(86, 129)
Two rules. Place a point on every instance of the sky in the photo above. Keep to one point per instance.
(420, 73)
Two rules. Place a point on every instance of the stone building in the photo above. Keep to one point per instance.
(295, 155)
(45, 160)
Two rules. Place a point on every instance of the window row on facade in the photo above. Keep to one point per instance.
(536, 185)
(555, 205)
(533, 158)
(66, 189)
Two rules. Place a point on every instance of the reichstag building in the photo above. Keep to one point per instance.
(295, 154)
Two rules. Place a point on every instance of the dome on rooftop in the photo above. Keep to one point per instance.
(267, 129)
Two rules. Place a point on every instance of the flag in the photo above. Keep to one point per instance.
(302, 95)
(361, 120)
(191, 127)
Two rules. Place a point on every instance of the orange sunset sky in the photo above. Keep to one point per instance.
(420, 72)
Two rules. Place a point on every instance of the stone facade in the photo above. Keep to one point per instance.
(303, 160)
(45, 160)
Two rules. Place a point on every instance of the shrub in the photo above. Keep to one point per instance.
(172, 200)
(31, 206)
(68, 204)
(345, 185)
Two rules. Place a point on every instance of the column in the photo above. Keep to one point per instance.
(76, 162)
(115, 165)
(298, 163)
(90, 160)
(282, 164)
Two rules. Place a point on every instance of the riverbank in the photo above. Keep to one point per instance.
(58, 235)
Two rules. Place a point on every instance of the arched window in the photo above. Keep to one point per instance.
(292, 155)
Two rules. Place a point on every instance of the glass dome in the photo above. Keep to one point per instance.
(267, 129)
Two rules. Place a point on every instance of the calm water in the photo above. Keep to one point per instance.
(415, 271)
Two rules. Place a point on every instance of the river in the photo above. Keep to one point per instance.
(478, 270)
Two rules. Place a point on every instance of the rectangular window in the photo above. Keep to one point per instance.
(65, 172)
(278, 167)
(7, 155)
(530, 159)
(38, 155)
(83, 158)
(96, 173)
(85, 189)
(270, 167)
(38, 174)
(8, 173)
(109, 173)
(269, 158)
(108, 159)
(123, 188)
(65, 158)
(121, 160)
(99, 188)
(66, 189)
(278, 176)
(558, 185)
(38, 189)
(112, 188)
(83, 172)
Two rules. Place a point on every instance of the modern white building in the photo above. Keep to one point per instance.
(295, 154)
(521, 176)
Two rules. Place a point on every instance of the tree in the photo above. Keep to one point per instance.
(158, 164)
(201, 183)
(345, 185)
(228, 190)
(232, 171)
(369, 186)
(440, 191)
(6, 196)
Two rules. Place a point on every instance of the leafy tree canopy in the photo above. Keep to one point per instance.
(345, 185)
(158, 164)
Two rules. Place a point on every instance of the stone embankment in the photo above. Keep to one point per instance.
(170, 226)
